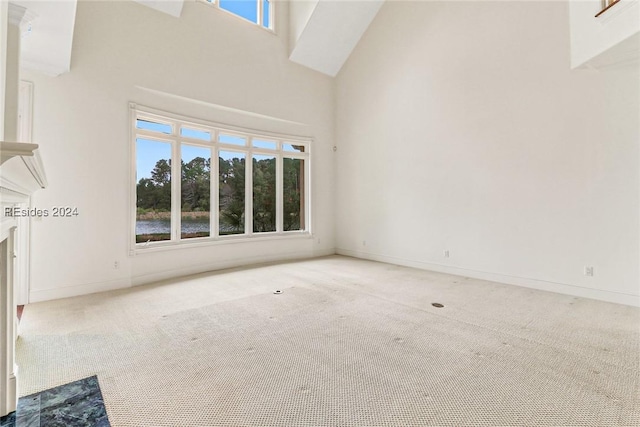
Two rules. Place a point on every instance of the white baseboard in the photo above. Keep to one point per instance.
(9, 401)
(39, 295)
(561, 288)
(221, 265)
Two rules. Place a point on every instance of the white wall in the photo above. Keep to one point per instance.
(461, 127)
(81, 121)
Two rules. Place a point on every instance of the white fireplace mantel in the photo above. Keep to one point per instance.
(25, 176)
(9, 150)
(21, 174)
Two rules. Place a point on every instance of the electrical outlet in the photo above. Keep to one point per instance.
(364, 243)
(116, 265)
(446, 253)
(588, 271)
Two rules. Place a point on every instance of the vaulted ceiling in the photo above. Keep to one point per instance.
(330, 32)
(47, 35)
(323, 32)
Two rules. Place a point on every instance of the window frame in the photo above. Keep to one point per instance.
(176, 140)
(259, 13)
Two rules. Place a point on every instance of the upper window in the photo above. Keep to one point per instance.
(258, 186)
(260, 12)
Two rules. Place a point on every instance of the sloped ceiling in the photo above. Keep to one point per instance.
(47, 35)
(323, 34)
(329, 31)
(170, 7)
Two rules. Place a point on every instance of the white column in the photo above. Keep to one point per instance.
(8, 368)
(11, 81)
(12, 75)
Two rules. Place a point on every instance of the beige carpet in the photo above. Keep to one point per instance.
(347, 343)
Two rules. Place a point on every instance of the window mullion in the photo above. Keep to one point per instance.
(214, 205)
(153, 138)
(307, 194)
(248, 194)
(260, 13)
(176, 181)
(279, 193)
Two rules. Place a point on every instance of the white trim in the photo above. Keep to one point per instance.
(36, 167)
(39, 295)
(8, 185)
(272, 16)
(561, 288)
(307, 193)
(14, 196)
(23, 263)
(16, 14)
(8, 150)
(8, 382)
(259, 13)
(248, 190)
(176, 189)
(25, 111)
(279, 193)
(132, 177)
(176, 122)
(25, 129)
(219, 107)
(226, 239)
(221, 265)
(214, 198)
(162, 115)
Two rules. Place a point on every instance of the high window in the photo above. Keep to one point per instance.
(606, 5)
(260, 12)
(258, 186)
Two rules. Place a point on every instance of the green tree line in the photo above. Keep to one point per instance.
(154, 193)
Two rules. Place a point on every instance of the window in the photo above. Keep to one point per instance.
(257, 187)
(606, 5)
(260, 12)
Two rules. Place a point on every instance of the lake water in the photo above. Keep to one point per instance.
(163, 226)
(157, 226)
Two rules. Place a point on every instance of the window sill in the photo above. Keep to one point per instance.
(142, 248)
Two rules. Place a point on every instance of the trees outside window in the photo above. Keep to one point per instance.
(257, 187)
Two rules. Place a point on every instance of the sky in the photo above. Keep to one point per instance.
(149, 151)
(147, 155)
(247, 9)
